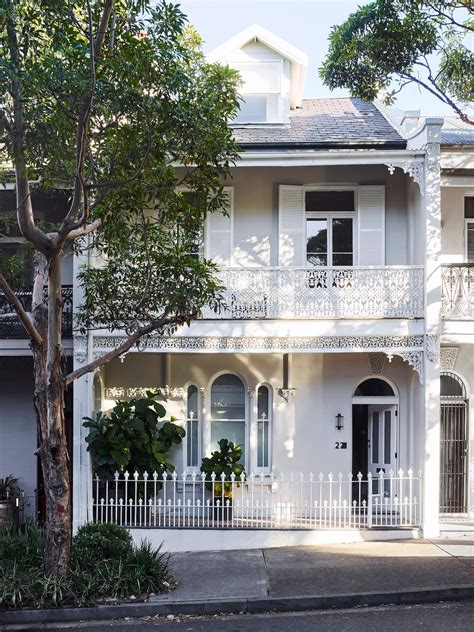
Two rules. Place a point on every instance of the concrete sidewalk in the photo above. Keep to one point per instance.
(335, 569)
(294, 579)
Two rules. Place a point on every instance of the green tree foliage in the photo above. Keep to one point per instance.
(113, 102)
(132, 437)
(387, 44)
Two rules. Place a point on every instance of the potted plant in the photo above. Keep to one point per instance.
(8, 492)
(223, 461)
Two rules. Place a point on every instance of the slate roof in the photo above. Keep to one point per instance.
(455, 132)
(335, 122)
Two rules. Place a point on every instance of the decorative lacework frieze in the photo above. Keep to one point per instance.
(409, 348)
(120, 392)
(299, 293)
(384, 344)
(414, 168)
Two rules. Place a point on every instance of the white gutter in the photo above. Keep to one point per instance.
(301, 158)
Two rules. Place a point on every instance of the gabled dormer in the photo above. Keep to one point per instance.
(272, 72)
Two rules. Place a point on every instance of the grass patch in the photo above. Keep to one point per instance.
(105, 566)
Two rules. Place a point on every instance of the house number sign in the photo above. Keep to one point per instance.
(341, 445)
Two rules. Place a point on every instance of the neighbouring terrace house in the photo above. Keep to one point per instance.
(326, 361)
(18, 437)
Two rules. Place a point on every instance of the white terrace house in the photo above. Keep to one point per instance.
(327, 358)
(326, 362)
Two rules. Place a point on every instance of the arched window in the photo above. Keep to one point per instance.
(374, 387)
(192, 427)
(264, 419)
(454, 430)
(452, 386)
(228, 411)
(97, 387)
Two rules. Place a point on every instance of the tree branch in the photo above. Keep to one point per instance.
(20, 311)
(25, 216)
(86, 230)
(450, 17)
(439, 94)
(154, 325)
(82, 125)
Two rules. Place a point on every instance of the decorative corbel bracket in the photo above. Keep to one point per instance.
(80, 349)
(414, 359)
(416, 171)
(432, 347)
(288, 394)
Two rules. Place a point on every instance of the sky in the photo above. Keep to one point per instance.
(305, 24)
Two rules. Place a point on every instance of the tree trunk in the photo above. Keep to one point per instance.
(49, 405)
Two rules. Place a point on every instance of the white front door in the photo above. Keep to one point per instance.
(382, 444)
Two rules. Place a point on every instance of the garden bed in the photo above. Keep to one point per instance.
(106, 567)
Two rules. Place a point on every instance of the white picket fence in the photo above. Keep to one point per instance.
(321, 501)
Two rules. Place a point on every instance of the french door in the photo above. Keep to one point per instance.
(382, 444)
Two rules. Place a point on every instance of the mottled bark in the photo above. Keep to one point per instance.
(49, 406)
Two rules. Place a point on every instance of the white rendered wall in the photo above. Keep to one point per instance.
(304, 433)
(256, 208)
(452, 218)
(184, 540)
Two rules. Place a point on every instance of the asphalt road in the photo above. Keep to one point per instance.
(448, 616)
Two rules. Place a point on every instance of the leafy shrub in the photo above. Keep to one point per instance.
(105, 564)
(132, 437)
(96, 543)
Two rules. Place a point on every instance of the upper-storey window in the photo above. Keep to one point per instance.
(469, 219)
(192, 236)
(330, 228)
(260, 94)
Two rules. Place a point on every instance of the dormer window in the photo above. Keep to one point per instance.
(272, 73)
(261, 95)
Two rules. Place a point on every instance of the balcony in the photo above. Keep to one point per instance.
(12, 327)
(458, 292)
(321, 293)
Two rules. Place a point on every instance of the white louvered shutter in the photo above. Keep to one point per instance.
(371, 225)
(218, 233)
(291, 226)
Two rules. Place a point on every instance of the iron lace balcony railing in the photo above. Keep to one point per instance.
(12, 327)
(458, 291)
(320, 292)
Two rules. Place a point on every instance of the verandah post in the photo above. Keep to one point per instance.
(369, 501)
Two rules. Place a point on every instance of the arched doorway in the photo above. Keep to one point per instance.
(454, 444)
(374, 427)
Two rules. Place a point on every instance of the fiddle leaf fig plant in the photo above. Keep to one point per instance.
(225, 460)
(133, 437)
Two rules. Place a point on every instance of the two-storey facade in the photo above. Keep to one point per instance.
(325, 359)
(345, 332)
(457, 333)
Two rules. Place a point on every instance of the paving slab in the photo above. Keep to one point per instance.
(218, 575)
(363, 567)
